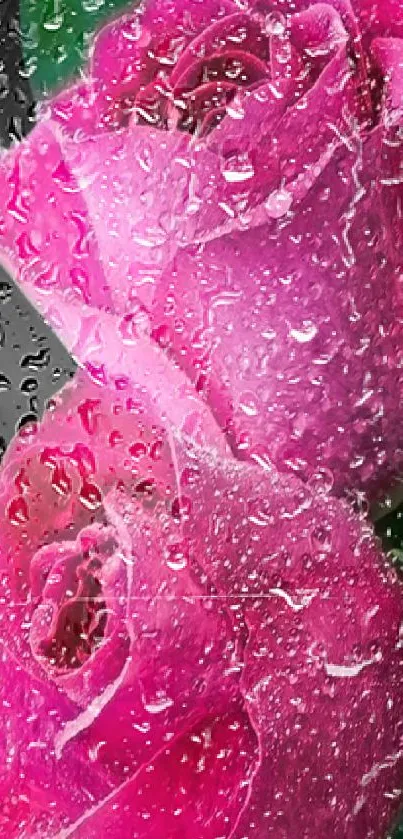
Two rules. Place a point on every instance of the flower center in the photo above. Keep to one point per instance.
(70, 619)
(194, 97)
(81, 621)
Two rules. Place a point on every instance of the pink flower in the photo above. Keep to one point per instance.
(232, 172)
(195, 646)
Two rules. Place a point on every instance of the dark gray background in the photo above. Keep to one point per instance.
(33, 363)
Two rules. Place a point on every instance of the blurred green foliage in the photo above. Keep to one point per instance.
(398, 832)
(56, 35)
(390, 530)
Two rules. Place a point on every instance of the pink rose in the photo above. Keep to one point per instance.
(230, 172)
(192, 646)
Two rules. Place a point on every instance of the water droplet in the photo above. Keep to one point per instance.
(305, 333)
(134, 324)
(81, 282)
(54, 23)
(235, 108)
(5, 292)
(278, 203)
(92, 5)
(237, 168)
(90, 496)
(5, 383)
(158, 704)
(176, 557)
(321, 481)
(88, 412)
(181, 508)
(63, 177)
(17, 511)
(321, 539)
(36, 361)
(275, 24)
(138, 450)
(248, 405)
(61, 482)
(26, 421)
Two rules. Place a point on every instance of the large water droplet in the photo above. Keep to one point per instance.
(17, 511)
(304, 333)
(237, 168)
(278, 203)
(176, 557)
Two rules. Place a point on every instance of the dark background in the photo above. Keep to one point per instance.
(17, 109)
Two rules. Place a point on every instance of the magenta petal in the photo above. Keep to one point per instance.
(33, 782)
(374, 17)
(205, 772)
(320, 27)
(276, 350)
(388, 53)
(45, 231)
(231, 65)
(322, 664)
(237, 31)
(78, 631)
(201, 647)
(272, 155)
(99, 175)
(98, 434)
(77, 247)
(182, 663)
(130, 51)
(379, 17)
(252, 558)
(337, 663)
(101, 456)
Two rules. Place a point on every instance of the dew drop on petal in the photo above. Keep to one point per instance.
(304, 334)
(237, 168)
(278, 203)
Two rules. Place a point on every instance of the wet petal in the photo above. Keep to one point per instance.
(322, 662)
(281, 351)
(130, 51)
(206, 771)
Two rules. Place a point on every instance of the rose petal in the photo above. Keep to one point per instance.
(322, 663)
(259, 539)
(130, 51)
(206, 771)
(143, 164)
(56, 248)
(281, 351)
(90, 440)
(32, 784)
(235, 31)
(182, 662)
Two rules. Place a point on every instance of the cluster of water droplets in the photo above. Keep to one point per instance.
(33, 363)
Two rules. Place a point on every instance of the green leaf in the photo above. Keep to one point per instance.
(398, 832)
(390, 530)
(56, 35)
